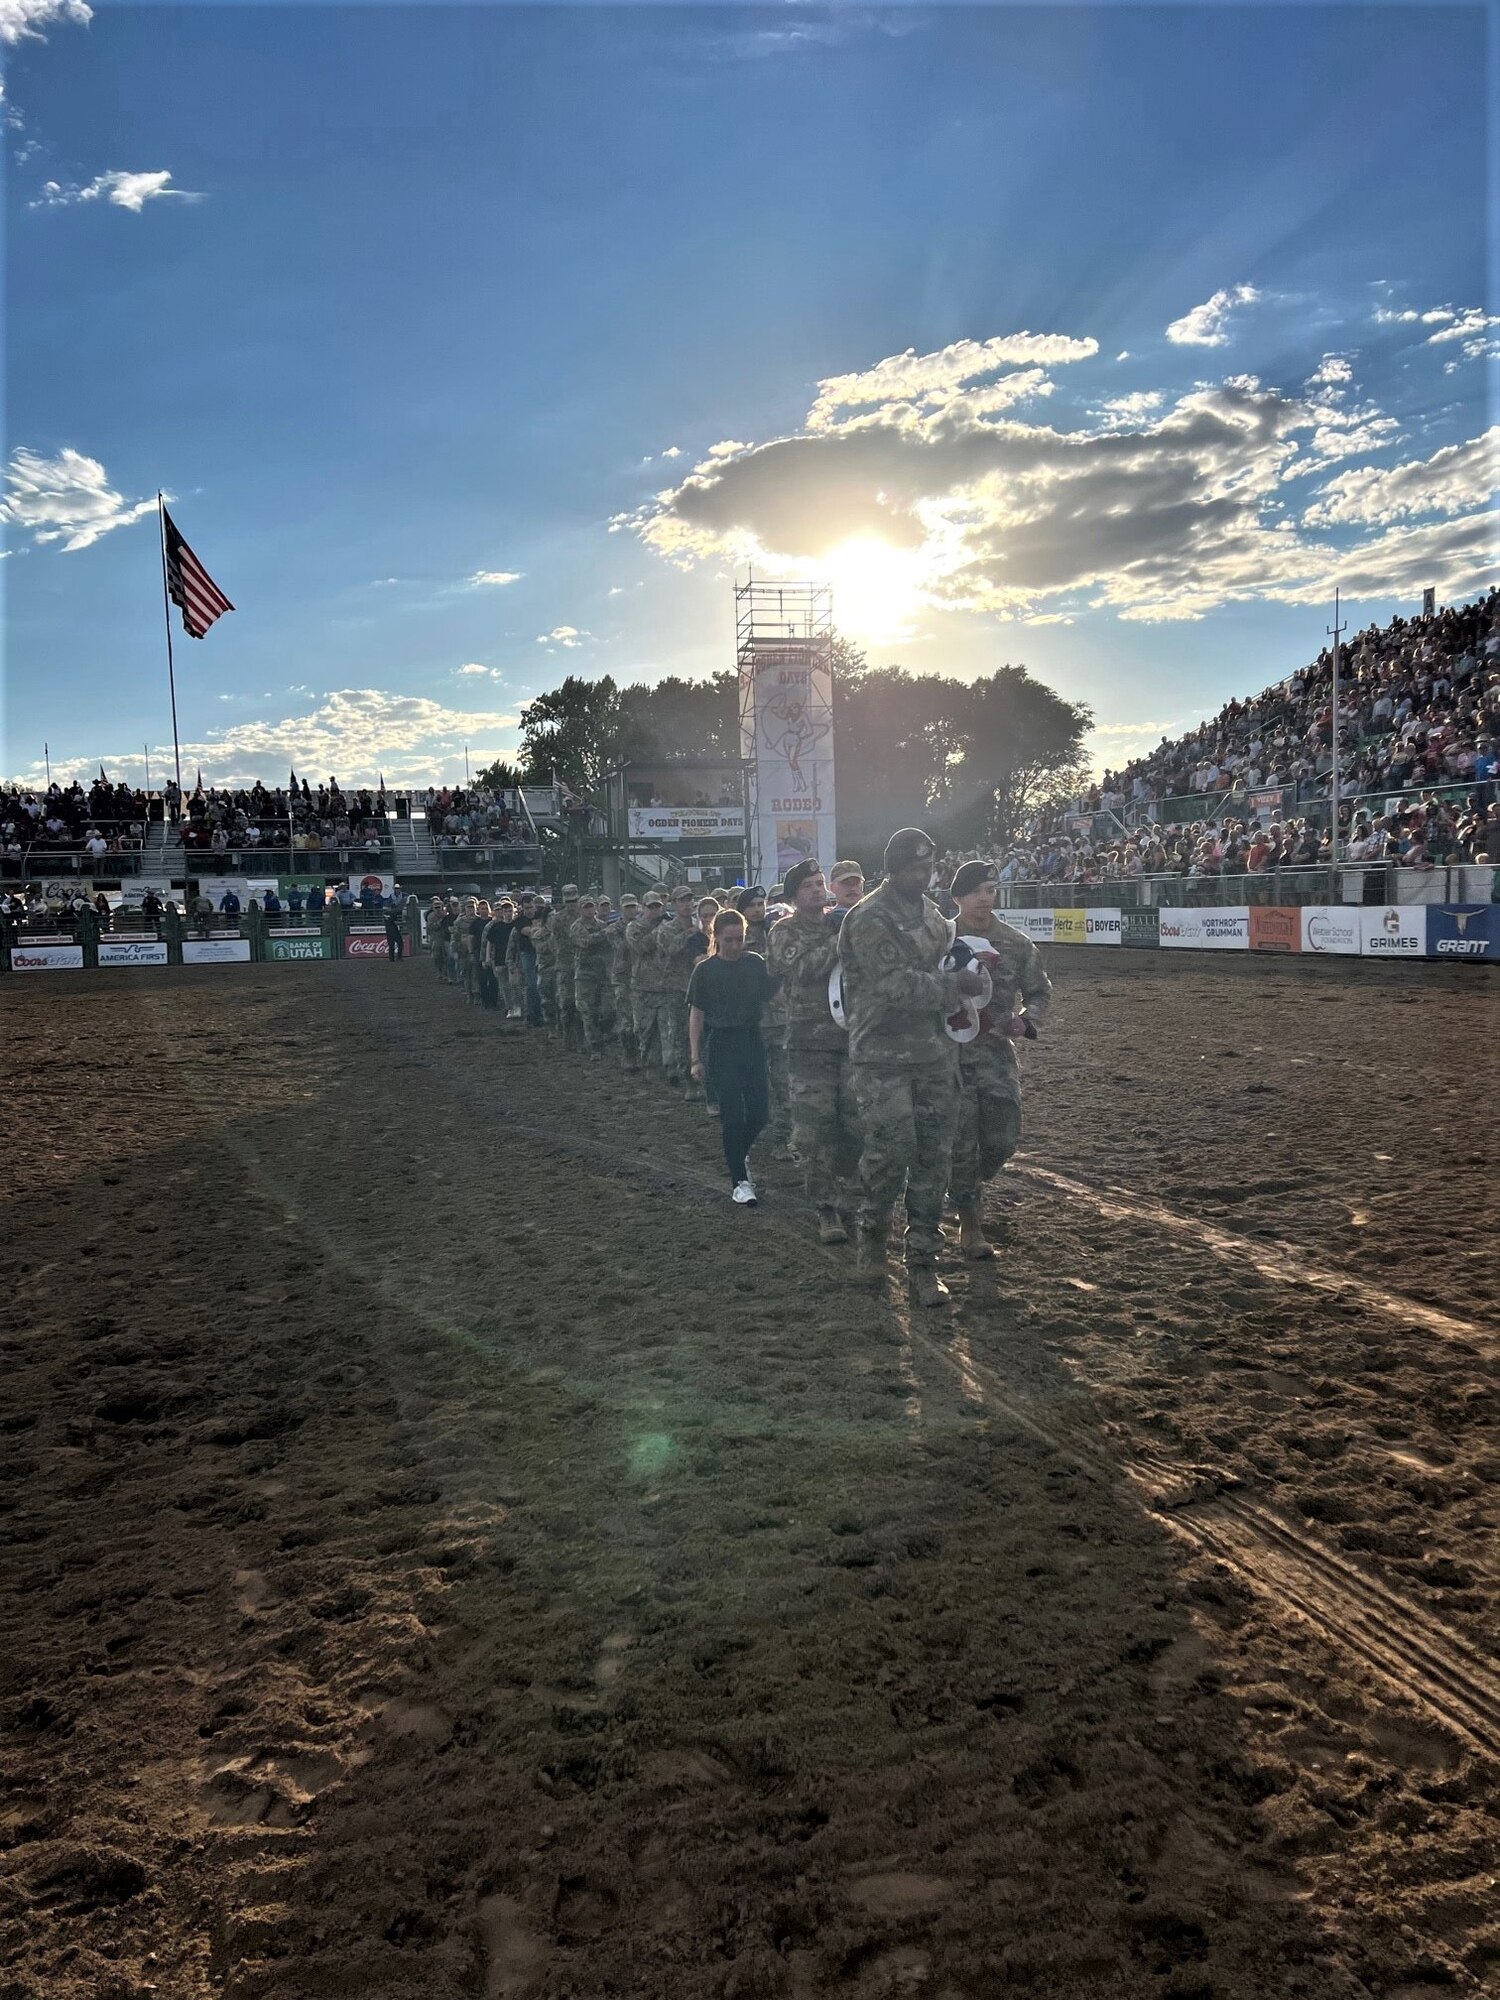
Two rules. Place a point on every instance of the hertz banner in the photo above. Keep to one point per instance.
(1069, 927)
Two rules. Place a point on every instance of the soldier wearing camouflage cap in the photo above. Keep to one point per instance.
(590, 939)
(645, 990)
(619, 979)
(565, 967)
(989, 1108)
(904, 1068)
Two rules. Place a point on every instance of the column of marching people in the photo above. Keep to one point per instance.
(868, 1034)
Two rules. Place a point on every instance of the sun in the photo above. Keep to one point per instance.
(876, 588)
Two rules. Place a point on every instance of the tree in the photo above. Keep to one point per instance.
(500, 776)
(580, 730)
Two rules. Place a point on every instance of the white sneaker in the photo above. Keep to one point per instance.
(744, 1194)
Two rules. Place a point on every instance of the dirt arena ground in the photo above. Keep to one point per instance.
(446, 1551)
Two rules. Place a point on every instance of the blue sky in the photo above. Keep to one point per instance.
(1104, 340)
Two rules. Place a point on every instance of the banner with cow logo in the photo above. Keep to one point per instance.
(1465, 931)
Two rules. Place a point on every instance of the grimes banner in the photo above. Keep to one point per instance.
(787, 713)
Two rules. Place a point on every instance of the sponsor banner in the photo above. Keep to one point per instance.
(1140, 927)
(283, 946)
(366, 944)
(1275, 929)
(1103, 926)
(1463, 931)
(1390, 931)
(686, 823)
(46, 957)
(1035, 924)
(1068, 927)
(1205, 930)
(133, 892)
(1266, 805)
(1333, 930)
(216, 887)
(132, 951)
(216, 951)
(786, 728)
(373, 880)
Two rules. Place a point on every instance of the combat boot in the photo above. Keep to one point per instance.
(831, 1227)
(869, 1258)
(972, 1241)
(927, 1288)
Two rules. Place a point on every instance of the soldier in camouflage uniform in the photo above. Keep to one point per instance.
(619, 980)
(801, 951)
(989, 1111)
(645, 987)
(565, 966)
(674, 968)
(590, 941)
(751, 904)
(544, 932)
(904, 1066)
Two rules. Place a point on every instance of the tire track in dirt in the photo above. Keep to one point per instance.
(1425, 1661)
(1284, 1263)
(1374, 1623)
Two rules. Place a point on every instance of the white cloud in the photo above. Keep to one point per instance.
(1408, 316)
(494, 579)
(1208, 325)
(1464, 325)
(673, 451)
(1152, 510)
(354, 732)
(474, 671)
(1332, 372)
(918, 378)
(65, 499)
(1133, 408)
(1452, 481)
(563, 635)
(120, 190)
(20, 19)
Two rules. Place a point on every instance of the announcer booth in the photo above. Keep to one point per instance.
(676, 822)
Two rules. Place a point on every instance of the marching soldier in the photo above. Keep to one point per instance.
(751, 904)
(544, 932)
(847, 881)
(989, 1113)
(645, 987)
(565, 966)
(619, 979)
(903, 1065)
(590, 940)
(675, 959)
(802, 950)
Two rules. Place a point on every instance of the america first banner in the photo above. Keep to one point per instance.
(787, 710)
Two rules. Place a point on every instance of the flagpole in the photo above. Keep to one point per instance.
(166, 605)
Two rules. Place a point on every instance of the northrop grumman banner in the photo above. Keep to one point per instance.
(787, 710)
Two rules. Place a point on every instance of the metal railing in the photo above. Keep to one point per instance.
(1349, 882)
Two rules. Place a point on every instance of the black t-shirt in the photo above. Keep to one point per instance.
(731, 993)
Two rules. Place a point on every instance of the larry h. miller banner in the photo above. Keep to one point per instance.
(786, 701)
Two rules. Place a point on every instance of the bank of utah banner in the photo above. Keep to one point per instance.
(788, 733)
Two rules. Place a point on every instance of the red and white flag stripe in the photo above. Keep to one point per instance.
(189, 584)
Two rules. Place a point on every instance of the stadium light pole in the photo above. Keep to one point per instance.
(1335, 631)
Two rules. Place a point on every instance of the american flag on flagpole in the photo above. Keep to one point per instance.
(189, 584)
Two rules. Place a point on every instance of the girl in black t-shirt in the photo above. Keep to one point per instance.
(725, 997)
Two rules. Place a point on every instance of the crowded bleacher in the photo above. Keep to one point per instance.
(229, 827)
(473, 817)
(91, 826)
(1419, 781)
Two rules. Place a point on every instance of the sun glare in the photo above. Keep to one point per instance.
(876, 588)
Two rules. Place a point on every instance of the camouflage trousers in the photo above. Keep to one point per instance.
(647, 1035)
(672, 1028)
(778, 1089)
(825, 1125)
(547, 986)
(989, 1118)
(567, 1008)
(907, 1118)
(591, 998)
(624, 1020)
